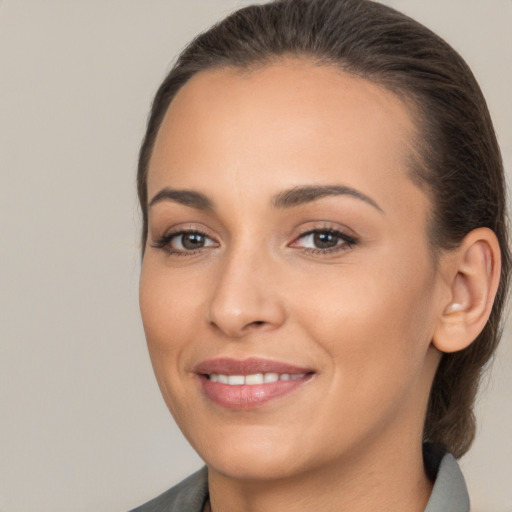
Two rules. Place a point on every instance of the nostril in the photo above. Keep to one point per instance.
(256, 323)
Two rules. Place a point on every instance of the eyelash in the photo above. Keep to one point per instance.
(164, 242)
(347, 241)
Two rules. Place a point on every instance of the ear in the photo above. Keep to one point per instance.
(472, 275)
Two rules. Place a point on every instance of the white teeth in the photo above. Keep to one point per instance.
(256, 378)
(236, 380)
(253, 379)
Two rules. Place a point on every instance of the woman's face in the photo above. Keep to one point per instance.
(287, 291)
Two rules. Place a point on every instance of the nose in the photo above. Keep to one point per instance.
(246, 297)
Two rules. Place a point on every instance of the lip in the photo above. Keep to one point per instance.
(228, 366)
(248, 396)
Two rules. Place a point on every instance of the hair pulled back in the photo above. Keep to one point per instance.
(460, 163)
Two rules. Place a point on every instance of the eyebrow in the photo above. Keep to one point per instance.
(186, 197)
(287, 199)
(306, 194)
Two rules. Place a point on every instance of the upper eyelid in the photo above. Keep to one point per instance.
(182, 231)
(186, 227)
(164, 240)
(337, 232)
(173, 234)
(322, 230)
(327, 227)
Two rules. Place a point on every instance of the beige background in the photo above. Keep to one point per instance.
(82, 423)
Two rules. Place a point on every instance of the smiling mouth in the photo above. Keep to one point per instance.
(249, 383)
(254, 378)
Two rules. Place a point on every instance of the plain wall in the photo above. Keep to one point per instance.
(82, 425)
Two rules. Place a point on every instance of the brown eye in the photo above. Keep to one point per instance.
(191, 241)
(188, 241)
(185, 242)
(325, 240)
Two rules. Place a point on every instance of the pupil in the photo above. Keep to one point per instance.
(192, 241)
(325, 240)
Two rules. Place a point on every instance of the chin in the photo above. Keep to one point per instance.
(251, 457)
(260, 467)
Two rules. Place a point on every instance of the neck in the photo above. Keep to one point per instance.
(391, 480)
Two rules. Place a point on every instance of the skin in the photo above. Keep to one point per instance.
(362, 317)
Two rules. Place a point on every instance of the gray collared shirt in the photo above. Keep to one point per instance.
(448, 495)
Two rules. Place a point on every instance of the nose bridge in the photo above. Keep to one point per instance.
(245, 296)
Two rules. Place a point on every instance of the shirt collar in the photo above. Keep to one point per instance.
(450, 493)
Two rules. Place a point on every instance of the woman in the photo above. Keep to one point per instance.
(325, 259)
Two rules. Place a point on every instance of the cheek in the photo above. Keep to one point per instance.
(167, 322)
(169, 328)
(375, 324)
(166, 308)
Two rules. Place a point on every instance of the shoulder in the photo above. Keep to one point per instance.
(188, 496)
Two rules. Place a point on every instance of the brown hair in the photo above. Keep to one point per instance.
(461, 166)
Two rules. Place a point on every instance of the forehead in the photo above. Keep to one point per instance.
(292, 119)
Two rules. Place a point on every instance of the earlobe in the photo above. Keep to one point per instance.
(473, 280)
